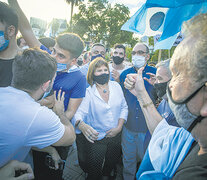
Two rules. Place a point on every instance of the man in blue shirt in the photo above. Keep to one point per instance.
(67, 49)
(69, 78)
(135, 128)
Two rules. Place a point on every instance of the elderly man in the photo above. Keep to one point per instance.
(67, 49)
(179, 153)
(134, 130)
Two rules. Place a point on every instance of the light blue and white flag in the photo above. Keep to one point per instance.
(166, 151)
(165, 18)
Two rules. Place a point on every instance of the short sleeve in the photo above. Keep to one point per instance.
(45, 129)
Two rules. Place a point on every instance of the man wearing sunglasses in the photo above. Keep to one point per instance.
(135, 129)
(179, 153)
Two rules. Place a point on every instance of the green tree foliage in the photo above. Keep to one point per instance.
(54, 25)
(129, 53)
(164, 54)
(99, 21)
(72, 4)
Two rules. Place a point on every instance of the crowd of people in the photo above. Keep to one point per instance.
(56, 98)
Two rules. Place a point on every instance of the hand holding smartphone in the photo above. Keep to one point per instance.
(51, 163)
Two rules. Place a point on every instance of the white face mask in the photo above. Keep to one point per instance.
(25, 47)
(138, 61)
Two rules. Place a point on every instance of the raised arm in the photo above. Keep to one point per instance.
(24, 25)
(135, 83)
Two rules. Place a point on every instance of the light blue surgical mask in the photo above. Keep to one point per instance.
(61, 67)
(3, 42)
(138, 61)
(46, 94)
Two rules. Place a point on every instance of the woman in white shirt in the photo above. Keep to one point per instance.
(100, 118)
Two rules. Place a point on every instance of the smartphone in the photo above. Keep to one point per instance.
(51, 164)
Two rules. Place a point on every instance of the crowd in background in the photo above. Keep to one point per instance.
(57, 99)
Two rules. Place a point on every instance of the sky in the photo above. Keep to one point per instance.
(49, 9)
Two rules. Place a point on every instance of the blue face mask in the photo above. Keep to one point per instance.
(3, 42)
(46, 94)
(94, 57)
(61, 67)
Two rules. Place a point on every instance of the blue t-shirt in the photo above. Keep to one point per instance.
(136, 121)
(73, 84)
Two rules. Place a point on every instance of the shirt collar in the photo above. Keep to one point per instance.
(73, 69)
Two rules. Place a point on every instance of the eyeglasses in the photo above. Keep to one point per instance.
(140, 52)
(187, 99)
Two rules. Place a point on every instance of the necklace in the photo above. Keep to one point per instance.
(104, 91)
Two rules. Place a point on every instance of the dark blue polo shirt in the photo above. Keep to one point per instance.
(136, 121)
(73, 84)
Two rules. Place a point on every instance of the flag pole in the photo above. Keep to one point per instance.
(159, 55)
(169, 53)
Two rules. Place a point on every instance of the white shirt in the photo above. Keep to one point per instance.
(100, 115)
(120, 70)
(24, 124)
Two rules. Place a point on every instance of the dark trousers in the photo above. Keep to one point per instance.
(42, 171)
(98, 158)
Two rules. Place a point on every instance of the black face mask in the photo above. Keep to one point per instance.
(79, 62)
(160, 89)
(117, 60)
(101, 79)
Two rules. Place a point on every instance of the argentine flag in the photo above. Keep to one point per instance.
(164, 18)
(166, 151)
